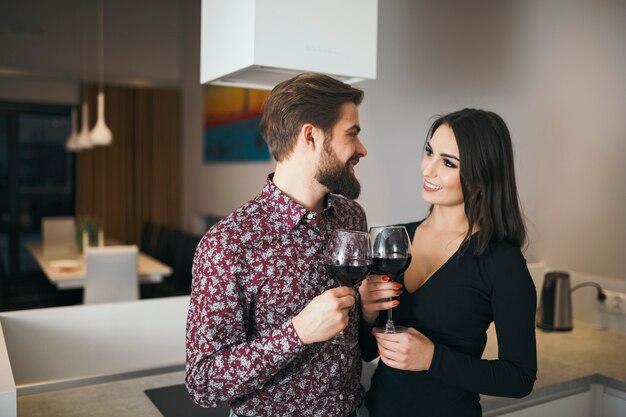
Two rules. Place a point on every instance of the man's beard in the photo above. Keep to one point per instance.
(336, 176)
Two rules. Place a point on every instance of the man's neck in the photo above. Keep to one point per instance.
(298, 182)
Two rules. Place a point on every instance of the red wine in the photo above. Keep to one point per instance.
(348, 274)
(393, 264)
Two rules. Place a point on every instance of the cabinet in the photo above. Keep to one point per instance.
(597, 401)
(613, 403)
(577, 405)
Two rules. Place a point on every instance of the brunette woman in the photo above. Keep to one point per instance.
(467, 271)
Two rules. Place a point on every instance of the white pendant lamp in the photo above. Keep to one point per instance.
(101, 134)
(83, 140)
(71, 144)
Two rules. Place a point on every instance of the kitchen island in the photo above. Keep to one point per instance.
(569, 363)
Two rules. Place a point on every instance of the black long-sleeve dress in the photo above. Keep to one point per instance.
(454, 308)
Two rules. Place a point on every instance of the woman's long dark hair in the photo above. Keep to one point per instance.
(487, 176)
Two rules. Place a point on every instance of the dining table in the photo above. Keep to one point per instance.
(65, 266)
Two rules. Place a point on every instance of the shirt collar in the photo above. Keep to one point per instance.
(288, 212)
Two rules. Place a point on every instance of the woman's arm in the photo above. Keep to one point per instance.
(513, 301)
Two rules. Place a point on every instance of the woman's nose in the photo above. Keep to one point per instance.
(428, 168)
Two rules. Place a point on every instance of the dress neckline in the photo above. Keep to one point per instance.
(438, 270)
(431, 276)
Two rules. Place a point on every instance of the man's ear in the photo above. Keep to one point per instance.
(310, 136)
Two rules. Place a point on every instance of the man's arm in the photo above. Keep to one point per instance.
(222, 363)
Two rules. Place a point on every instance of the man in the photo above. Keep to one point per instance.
(262, 306)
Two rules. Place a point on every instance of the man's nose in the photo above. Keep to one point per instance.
(360, 149)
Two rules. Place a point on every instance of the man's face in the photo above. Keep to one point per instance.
(340, 153)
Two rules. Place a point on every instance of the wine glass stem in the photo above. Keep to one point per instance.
(341, 335)
(389, 327)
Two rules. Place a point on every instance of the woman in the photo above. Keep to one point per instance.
(467, 270)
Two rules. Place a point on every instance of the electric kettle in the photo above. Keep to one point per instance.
(555, 304)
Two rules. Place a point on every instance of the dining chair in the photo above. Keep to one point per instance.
(111, 274)
(169, 245)
(183, 278)
(59, 234)
(147, 243)
(183, 248)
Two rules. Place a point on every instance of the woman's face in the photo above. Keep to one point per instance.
(441, 169)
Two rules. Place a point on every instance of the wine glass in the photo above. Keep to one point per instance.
(391, 256)
(347, 257)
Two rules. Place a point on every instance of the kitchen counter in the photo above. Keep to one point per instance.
(119, 398)
(568, 363)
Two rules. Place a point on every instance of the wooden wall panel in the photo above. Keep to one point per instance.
(137, 178)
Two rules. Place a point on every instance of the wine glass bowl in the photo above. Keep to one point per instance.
(391, 256)
(347, 257)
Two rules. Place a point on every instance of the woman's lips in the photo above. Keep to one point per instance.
(430, 187)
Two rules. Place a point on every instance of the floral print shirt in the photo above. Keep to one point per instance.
(252, 273)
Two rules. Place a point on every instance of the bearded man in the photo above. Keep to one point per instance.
(262, 305)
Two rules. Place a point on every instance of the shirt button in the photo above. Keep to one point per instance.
(341, 396)
(343, 356)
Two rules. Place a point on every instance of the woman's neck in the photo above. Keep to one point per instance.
(448, 219)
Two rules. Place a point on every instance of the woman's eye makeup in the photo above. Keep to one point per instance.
(446, 161)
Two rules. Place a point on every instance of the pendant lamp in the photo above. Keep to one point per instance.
(83, 139)
(101, 134)
(71, 144)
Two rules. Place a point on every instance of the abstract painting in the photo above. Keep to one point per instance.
(231, 125)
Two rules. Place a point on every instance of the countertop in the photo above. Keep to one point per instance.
(568, 362)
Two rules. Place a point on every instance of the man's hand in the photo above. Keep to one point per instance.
(325, 316)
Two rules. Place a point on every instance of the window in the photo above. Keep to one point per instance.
(36, 175)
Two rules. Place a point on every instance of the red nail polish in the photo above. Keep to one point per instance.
(395, 303)
(398, 286)
(386, 279)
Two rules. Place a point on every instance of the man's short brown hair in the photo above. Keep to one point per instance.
(307, 98)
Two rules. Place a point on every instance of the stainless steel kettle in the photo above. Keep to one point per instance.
(555, 304)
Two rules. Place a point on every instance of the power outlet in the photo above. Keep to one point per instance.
(615, 302)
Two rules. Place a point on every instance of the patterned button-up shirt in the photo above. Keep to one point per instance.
(252, 273)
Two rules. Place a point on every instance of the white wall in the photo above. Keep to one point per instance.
(214, 189)
(554, 71)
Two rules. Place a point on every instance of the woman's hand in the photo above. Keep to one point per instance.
(376, 292)
(410, 351)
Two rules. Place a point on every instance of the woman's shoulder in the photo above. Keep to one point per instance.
(504, 261)
(502, 249)
(411, 226)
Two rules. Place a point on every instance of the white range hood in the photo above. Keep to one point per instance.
(259, 43)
